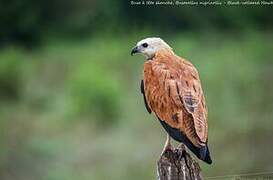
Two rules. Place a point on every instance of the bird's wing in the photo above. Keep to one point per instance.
(179, 92)
(145, 101)
(191, 95)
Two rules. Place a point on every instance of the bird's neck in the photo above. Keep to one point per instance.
(164, 53)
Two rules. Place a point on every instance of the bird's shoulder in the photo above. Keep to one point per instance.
(172, 64)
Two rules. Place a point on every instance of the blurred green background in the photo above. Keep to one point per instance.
(71, 106)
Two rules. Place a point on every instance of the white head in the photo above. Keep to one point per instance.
(149, 46)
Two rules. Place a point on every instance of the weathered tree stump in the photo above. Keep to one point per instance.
(178, 165)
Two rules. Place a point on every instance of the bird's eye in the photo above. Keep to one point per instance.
(145, 45)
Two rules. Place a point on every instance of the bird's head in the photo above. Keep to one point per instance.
(150, 46)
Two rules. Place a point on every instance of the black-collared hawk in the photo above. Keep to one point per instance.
(172, 91)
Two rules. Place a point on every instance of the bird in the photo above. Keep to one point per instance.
(172, 91)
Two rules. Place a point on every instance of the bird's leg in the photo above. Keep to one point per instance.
(181, 146)
(183, 150)
(168, 145)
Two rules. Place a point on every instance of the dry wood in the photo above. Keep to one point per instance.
(178, 165)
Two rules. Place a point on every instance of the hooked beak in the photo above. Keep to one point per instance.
(134, 50)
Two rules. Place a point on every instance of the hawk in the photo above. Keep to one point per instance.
(172, 91)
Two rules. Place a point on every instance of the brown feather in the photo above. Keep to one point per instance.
(173, 92)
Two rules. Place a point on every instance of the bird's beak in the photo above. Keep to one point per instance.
(134, 50)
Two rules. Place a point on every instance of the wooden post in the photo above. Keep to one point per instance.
(178, 165)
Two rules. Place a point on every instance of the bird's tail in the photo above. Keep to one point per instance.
(201, 152)
(204, 154)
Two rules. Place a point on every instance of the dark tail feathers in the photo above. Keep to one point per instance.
(201, 152)
(204, 154)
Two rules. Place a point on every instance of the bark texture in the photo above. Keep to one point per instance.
(178, 165)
